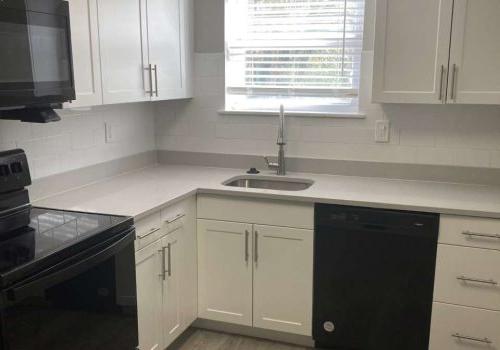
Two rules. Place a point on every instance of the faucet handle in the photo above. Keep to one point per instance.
(271, 165)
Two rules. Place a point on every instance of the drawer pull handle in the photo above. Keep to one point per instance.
(470, 234)
(477, 280)
(177, 217)
(479, 340)
(150, 232)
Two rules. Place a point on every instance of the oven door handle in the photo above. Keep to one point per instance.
(62, 271)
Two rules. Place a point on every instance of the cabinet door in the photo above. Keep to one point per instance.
(225, 271)
(164, 40)
(85, 45)
(172, 248)
(148, 271)
(475, 53)
(122, 29)
(283, 279)
(411, 51)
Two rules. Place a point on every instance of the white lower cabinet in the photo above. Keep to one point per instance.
(256, 275)
(225, 272)
(166, 274)
(283, 279)
(171, 250)
(457, 327)
(149, 296)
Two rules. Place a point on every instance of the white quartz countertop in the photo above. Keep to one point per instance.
(141, 192)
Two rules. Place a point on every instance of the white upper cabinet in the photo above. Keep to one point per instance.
(164, 43)
(475, 52)
(411, 50)
(437, 51)
(122, 27)
(85, 47)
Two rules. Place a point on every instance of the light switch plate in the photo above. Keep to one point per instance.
(382, 130)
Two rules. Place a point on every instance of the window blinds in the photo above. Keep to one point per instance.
(308, 50)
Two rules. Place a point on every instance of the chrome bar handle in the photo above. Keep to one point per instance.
(477, 280)
(453, 82)
(175, 218)
(162, 274)
(483, 235)
(256, 247)
(465, 337)
(156, 80)
(247, 254)
(150, 232)
(441, 83)
(150, 69)
(169, 248)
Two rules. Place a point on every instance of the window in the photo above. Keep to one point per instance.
(304, 54)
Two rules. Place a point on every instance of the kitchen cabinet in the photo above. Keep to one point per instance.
(171, 248)
(86, 54)
(166, 273)
(412, 43)
(465, 313)
(164, 45)
(437, 51)
(283, 261)
(475, 53)
(245, 271)
(146, 49)
(247, 264)
(122, 29)
(149, 296)
(457, 327)
(225, 271)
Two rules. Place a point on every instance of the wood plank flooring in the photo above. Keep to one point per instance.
(208, 340)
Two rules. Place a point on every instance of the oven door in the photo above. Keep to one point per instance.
(87, 302)
(36, 57)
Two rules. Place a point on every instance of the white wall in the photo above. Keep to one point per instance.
(78, 140)
(421, 134)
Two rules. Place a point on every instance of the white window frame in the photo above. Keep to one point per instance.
(333, 110)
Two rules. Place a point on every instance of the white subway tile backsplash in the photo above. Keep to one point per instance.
(420, 134)
(78, 139)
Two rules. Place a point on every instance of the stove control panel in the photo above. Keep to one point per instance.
(14, 171)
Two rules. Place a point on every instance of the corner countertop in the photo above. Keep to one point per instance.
(147, 190)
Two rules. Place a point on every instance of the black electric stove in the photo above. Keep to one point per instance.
(51, 237)
(67, 278)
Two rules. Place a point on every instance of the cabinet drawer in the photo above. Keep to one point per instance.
(470, 232)
(463, 328)
(256, 211)
(468, 276)
(173, 217)
(148, 230)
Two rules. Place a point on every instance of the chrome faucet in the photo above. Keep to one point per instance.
(279, 166)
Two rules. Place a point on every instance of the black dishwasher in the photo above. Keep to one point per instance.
(373, 278)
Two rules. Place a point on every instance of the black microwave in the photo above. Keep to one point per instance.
(36, 65)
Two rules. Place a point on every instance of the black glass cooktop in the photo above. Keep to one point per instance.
(54, 235)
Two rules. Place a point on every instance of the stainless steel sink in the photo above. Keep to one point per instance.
(269, 183)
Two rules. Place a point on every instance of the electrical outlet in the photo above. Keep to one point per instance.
(382, 130)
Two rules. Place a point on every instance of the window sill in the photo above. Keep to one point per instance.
(340, 115)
